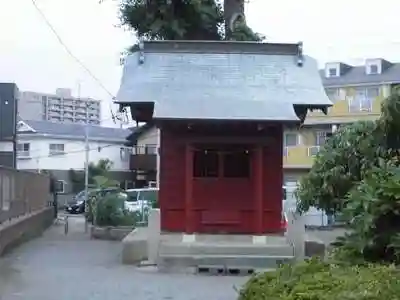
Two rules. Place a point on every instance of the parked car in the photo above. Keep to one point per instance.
(141, 200)
(77, 205)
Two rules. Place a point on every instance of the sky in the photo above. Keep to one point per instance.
(32, 57)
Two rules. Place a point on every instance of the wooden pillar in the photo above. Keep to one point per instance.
(189, 228)
(258, 189)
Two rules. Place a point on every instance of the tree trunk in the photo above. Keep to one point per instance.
(233, 12)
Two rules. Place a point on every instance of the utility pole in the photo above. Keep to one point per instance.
(86, 157)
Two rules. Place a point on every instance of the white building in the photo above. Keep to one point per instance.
(58, 147)
(59, 107)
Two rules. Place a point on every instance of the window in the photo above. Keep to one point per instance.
(151, 149)
(291, 140)
(125, 153)
(333, 94)
(146, 149)
(148, 195)
(363, 99)
(237, 164)
(56, 149)
(23, 149)
(205, 163)
(373, 69)
(372, 92)
(332, 72)
(320, 138)
(60, 186)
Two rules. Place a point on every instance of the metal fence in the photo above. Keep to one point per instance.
(22, 192)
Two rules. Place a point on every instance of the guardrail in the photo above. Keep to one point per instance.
(22, 192)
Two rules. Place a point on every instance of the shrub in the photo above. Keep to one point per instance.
(340, 165)
(110, 211)
(373, 213)
(317, 280)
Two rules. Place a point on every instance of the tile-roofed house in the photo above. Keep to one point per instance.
(61, 147)
(374, 71)
(74, 131)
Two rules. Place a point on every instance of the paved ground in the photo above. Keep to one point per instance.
(73, 267)
(62, 267)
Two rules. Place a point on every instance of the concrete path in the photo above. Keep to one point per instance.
(61, 267)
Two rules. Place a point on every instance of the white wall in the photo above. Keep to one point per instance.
(150, 138)
(74, 157)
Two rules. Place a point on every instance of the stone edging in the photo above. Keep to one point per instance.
(110, 233)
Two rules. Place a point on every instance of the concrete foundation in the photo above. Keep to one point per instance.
(134, 247)
(226, 252)
(182, 252)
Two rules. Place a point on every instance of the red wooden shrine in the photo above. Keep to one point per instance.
(221, 177)
(221, 145)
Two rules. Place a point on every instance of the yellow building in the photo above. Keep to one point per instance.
(356, 93)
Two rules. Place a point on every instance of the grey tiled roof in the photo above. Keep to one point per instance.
(78, 130)
(247, 82)
(357, 75)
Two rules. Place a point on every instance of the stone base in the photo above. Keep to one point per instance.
(135, 247)
(109, 233)
(224, 252)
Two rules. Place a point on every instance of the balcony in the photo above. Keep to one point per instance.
(343, 111)
(23, 154)
(299, 157)
(143, 158)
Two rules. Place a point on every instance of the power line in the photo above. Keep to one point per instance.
(90, 126)
(60, 40)
(75, 151)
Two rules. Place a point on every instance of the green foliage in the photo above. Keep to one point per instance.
(316, 280)
(357, 173)
(110, 211)
(102, 182)
(77, 178)
(243, 33)
(341, 164)
(390, 119)
(180, 20)
(373, 212)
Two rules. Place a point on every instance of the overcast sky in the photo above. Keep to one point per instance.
(31, 56)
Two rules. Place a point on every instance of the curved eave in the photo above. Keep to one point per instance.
(302, 110)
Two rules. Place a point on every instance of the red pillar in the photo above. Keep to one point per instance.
(189, 189)
(258, 190)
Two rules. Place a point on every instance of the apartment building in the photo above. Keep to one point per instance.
(60, 107)
(357, 93)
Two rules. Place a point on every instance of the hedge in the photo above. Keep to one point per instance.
(317, 280)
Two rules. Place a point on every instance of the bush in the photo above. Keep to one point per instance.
(373, 213)
(317, 280)
(340, 165)
(110, 211)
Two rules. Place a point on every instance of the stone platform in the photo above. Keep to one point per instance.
(221, 253)
(226, 253)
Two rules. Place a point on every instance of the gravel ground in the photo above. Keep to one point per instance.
(61, 267)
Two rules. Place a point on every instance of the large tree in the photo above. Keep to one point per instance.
(340, 164)
(357, 173)
(187, 19)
